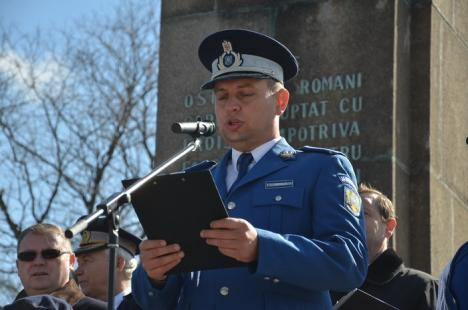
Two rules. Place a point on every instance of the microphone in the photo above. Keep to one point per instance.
(195, 128)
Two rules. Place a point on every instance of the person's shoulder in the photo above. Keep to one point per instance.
(461, 254)
(419, 276)
(88, 303)
(320, 151)
(128, 303)
(38, 302)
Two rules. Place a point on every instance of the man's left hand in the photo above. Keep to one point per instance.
(234, 237)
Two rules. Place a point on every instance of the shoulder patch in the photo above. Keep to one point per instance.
(352, 201)
(204, 165)
(312, 149)
(347, 180)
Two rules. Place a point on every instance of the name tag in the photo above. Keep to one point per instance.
(279, 184)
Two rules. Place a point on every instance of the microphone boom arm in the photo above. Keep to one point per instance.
(111, 205)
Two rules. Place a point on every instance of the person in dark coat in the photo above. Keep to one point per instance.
(388, 278)
(453, 289)
(93, 264)
(45, 266)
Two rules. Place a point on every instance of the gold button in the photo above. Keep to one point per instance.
(231, 205)
(224, 291)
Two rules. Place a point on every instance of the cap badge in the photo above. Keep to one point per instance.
(85, 237)
(287, 155)
(229, 58)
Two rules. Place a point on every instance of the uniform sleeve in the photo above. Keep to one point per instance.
(334, 256)
(149, 297)
(458, 279)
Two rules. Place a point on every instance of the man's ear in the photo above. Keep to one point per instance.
(72, 261)
(282, 99)
(390, 228)
(120, 263)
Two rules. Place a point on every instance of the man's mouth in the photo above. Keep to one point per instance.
(234, 124)
(39, 274)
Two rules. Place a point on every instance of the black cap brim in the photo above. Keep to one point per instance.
(235, 76)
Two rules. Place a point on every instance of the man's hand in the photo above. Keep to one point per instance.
(234, 237)
(158, 258)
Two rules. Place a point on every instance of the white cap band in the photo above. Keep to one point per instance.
(250, 63)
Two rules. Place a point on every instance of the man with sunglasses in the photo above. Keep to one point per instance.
(45, 266)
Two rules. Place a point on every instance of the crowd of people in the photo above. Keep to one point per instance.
(307, 234)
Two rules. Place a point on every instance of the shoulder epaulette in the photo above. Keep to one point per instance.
(204, 165)
(312, 149)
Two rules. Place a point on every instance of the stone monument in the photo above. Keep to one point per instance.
(382, 81)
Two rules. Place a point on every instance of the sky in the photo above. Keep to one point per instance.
(28, 14)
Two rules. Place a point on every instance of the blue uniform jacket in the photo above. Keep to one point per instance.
(305, 207)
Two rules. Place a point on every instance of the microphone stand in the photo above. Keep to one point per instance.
(110, 207)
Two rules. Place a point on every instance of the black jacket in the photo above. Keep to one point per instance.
(405, 288)
(128, 303)
(72, 294)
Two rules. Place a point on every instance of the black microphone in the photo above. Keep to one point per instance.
(195, 128)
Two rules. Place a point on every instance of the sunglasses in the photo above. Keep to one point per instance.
(29, 256)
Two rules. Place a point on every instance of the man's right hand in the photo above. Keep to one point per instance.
(157, 258)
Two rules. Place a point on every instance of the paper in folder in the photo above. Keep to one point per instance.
(359, 299)
(175, 208)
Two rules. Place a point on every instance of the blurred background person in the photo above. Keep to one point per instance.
(93, 264)
(388, 278)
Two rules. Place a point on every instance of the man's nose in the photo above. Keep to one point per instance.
(232, 104)
(39, 260)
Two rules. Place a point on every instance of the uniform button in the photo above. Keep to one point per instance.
(266, 278)
(231, 205)
(151, 294)
(276, 280)
(278, 198)
(224, 291)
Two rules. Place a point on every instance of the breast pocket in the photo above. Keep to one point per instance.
(279, 207)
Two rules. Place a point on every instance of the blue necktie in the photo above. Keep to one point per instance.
(243, 163)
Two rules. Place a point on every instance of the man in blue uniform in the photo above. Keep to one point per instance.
(295, 215)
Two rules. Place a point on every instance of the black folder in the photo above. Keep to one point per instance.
(359, 299)
(175, 208)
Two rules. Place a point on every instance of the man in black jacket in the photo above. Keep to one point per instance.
(388, 278)
(45, 264)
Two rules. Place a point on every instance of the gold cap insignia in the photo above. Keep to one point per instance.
(229, 58)
(85, 237)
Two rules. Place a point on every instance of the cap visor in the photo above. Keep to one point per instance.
(90, 248)
(235, 76)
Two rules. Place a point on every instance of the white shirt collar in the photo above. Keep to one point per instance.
(257, 153)
(120, 296)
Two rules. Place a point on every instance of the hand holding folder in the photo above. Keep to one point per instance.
(176, 208)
